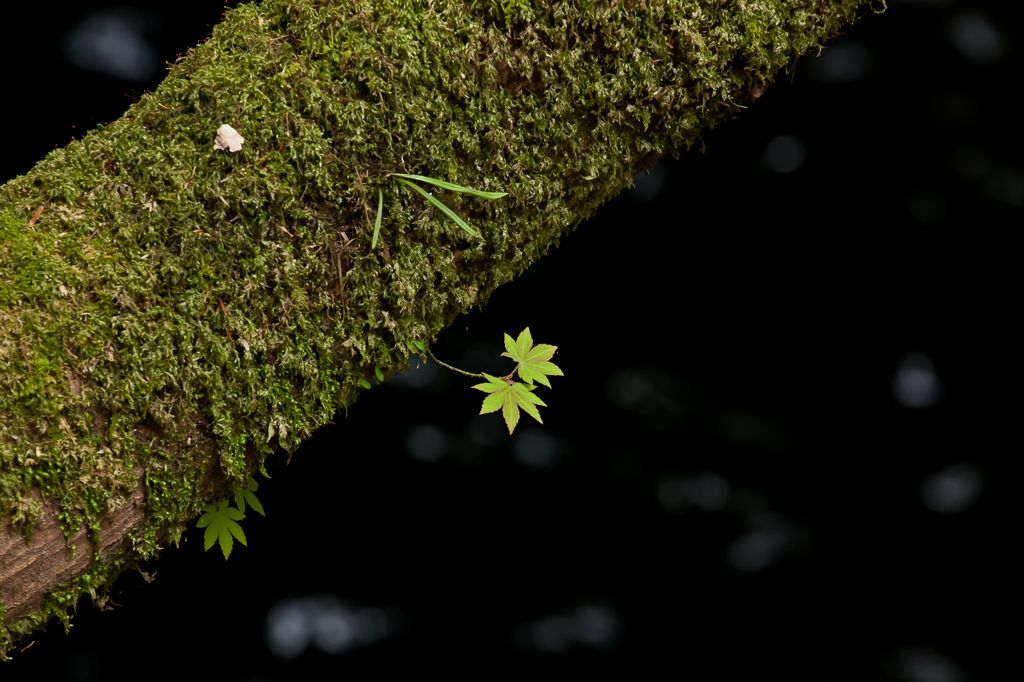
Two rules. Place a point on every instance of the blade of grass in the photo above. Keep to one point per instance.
(376, 226)
(444, 209)
(454, 188)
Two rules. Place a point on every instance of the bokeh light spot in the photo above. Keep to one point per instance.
(841, 63)
(648, 184)
(976, 37)
(785, 154)
(427, 443)
(1007, 186)
(919, 665)
(293, 625)
(535, 448)
(111, 42)
(916, 384)
(420, 375)
(928, 207)
(763, 545)
(953, 489)
(592, 625)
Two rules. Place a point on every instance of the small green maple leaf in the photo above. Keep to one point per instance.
(243, 495)
(533, 360)
(221, 524)
(509, 396)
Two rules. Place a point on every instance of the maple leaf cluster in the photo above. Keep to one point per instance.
(510, 396)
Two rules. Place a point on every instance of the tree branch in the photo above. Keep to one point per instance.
(177, 313)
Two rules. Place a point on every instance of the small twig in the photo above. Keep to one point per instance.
(226, 320)
(341, 290)
(39, 212)
(366, 206)
(24, 353)
(189, 178)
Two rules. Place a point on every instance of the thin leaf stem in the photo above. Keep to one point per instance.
(454, 369)
(511, 374)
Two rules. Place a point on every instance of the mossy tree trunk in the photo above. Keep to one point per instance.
(176, 313)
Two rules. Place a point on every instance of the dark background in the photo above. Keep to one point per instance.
(781, 448)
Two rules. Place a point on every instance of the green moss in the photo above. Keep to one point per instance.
(177, 310)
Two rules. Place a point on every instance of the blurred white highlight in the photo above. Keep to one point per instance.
(976, 37)
(919, 665)
(763, 545)
(648, 184)
(784, 154)
(708, 491)
(953, 489)
(293, 625)
(916, 384)
(535, 448)
(427, 443)
(591, 626)
(841, 63)
(110, 41)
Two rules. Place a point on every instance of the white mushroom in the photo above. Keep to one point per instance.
(228, 138)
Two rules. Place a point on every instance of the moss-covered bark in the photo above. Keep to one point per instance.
(177, 313)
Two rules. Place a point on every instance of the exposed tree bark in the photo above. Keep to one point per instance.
(176, 313)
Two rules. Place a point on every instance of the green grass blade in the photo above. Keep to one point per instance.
(444, 209)
(376, 226)
(454, 188)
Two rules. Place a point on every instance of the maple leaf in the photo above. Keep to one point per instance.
(221, 524)
(533, 360)
(243, 495)
(509, 396)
